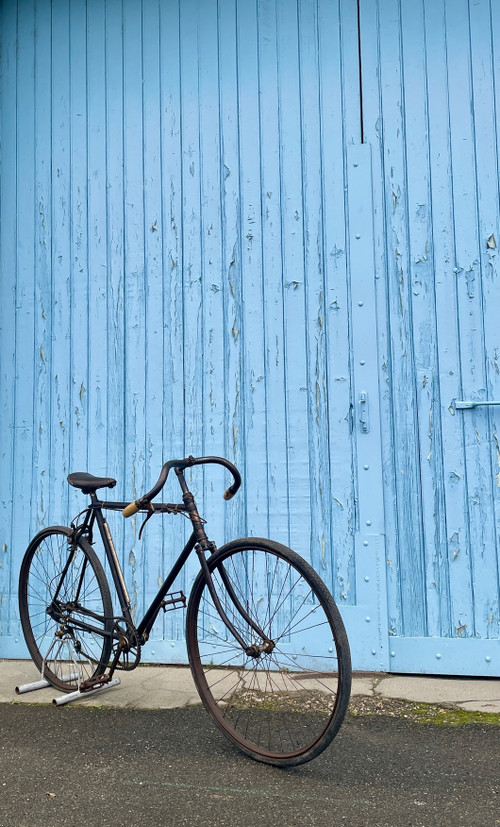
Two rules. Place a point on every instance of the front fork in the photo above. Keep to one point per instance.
(203, 546)
(253, 650)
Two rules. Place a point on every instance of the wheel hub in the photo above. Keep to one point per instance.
(257, 650)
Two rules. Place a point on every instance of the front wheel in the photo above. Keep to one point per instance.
(66, 609)
(283, 699)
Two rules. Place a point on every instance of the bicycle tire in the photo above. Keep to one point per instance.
(60, 584)
(282, 707)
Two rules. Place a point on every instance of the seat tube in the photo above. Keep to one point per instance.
(109, 546)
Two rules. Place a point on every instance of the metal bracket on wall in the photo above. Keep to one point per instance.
(363, 412)
(464, 406)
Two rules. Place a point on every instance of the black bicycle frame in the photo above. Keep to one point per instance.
(198, 541)
(147, 622)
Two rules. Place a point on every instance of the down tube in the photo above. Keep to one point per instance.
(149, 618)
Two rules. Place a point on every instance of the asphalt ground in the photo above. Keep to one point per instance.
(100, 766)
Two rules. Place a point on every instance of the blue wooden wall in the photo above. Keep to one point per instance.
(431, 81)
(212, 242)
(177, 278)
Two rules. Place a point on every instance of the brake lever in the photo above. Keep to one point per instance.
(151, 510)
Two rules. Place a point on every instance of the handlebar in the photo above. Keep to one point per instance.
(136, 506)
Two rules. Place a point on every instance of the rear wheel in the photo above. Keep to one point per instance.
(66, 608)
(282, 700)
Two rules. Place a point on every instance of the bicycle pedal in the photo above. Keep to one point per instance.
(172, 601)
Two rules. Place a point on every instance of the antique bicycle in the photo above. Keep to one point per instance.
(266, 644)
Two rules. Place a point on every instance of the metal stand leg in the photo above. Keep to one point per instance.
(31, 687)
(42, 683)
(75, 674)
(75, 696)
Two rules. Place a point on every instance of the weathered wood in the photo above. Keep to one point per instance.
(180, 274)
(431, 115)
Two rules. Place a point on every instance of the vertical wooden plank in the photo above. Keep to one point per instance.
(105, 252)
(315, 303)
(252, 385)
(374, 132)
(231, 259)
(191, 241)
(98, 356)
(348, 37)
(135, 287)
(154, 367)
(115, 266)
(60, 364)
(410, 614)
(171, 125)
(213, 402)
(8, 268)
(192, 294)
(483, 491)
(174, 530)
(292, 231)
(79, 348)
(444, 445)
(371, 608)
(491, 285)
(23, 377)
(272, 267)
(423, 310)
(338, 344)
(25, 265)
(42, 480)
(472, 379)
(23, 111)
(97, 239)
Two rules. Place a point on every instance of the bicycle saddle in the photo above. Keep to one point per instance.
(88, 484)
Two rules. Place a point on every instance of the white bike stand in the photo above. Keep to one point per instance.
(76, 674)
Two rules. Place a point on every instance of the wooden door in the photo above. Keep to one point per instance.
(430, 98)
(187, 257)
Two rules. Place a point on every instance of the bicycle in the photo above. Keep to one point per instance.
(266, 644)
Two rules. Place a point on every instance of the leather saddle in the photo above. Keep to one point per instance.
(88, 484)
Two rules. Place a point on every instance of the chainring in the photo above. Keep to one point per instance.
(127, 649)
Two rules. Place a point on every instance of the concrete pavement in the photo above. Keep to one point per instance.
(171, 687)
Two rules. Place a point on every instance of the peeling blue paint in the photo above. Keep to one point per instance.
(190, 265)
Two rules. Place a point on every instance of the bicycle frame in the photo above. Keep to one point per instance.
(94, 513)
(197, 541)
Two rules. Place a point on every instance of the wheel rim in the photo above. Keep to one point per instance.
(280, 705)
(67, 654)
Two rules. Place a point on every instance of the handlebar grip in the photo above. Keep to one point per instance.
(131, 508)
